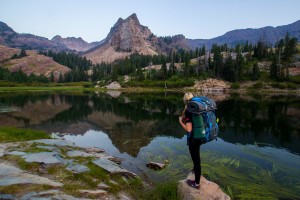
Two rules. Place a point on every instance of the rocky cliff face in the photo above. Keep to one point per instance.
(128, 36)
(77, 44)
(125, 37)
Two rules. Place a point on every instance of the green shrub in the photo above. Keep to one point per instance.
(292, 86)
(235, 85)
(258, 85)
(278, 85)
(295, 79)
(171, 83)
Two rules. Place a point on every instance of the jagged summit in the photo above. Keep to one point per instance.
(129, 35)
(125, 37)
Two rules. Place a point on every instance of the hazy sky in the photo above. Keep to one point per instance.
(195, 19)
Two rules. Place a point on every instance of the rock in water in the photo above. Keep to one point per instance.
(156, 166)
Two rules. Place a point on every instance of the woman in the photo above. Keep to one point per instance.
(188, 121)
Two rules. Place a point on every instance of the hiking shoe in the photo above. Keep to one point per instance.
(193, 184)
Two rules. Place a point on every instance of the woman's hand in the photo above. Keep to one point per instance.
(180, 119)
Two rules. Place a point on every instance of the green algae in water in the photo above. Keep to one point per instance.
(238, 177)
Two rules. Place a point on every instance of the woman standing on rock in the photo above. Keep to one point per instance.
(193, 125)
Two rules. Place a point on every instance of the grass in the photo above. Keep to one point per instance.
(33, 167)
(22, 189)
(10, 134)
(174, 82)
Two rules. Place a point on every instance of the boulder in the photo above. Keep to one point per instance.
(93, 193)
(77, 153)
(114, 85)
(43, 157)
(156, 166)
(53, 142)
(208, 190)
(77, 168)
(50, 194)
(103, 186)
(212, 85)
(11, 175)
(112, 167)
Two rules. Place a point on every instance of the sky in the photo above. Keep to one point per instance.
(195, 19)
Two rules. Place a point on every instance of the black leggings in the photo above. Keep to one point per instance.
(194, 147)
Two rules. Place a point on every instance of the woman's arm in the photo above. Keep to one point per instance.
(186, 126)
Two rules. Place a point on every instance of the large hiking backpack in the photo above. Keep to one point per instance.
(206, 107)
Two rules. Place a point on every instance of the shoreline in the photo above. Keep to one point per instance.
(59, 164)
(146, 89)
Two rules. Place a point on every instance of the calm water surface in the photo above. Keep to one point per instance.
(257, 154)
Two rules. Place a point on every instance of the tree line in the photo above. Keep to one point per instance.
(20, 77)
(233, 64)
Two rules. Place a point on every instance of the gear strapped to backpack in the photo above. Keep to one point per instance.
(205, 107)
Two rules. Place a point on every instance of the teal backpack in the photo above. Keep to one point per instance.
(206, 108)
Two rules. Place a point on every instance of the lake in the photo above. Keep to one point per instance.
(257, 153)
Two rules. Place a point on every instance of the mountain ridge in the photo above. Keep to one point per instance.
(149, 43)
(73, 43)
(268, 34)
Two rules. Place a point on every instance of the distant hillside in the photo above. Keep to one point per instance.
(269, 35)
(77, 44)
(10, 38)
(32, 63)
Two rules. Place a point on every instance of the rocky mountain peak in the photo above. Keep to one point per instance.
(57, 37)
(4, 27)
(134, 18)
(128, 35)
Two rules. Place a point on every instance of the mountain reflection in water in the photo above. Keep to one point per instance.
(141, 127)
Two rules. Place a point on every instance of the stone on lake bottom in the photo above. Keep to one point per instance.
(94, 150)
(7, 196)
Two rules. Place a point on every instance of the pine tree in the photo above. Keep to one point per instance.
(255, 72)
(23, 53)
(274, 70)
(114, 75)
(52, 77)
(61, 78)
